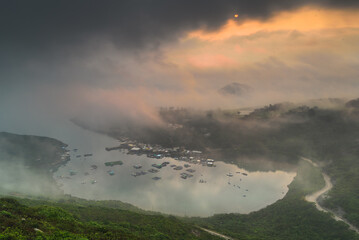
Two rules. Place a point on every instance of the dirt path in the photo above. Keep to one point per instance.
(216, 234)
(315, 196)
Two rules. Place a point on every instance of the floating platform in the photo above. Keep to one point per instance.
(111, 164)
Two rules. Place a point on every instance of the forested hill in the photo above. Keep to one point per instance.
(279, 132)
(22, 222)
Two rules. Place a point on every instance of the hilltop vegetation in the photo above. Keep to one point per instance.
(79, 222)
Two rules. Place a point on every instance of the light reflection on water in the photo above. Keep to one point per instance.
(171, 194)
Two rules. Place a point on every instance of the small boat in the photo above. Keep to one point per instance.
(153, 170)
(159, 166)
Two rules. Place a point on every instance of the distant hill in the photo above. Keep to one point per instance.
(234, 89)
(353, 103)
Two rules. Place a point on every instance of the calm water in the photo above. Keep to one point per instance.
(171, 194)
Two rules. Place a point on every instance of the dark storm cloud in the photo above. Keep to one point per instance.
(45, 34)
(128, 23)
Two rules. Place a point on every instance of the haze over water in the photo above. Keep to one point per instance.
(171, 194)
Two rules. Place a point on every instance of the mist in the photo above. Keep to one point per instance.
(113, 70)
(18, 180)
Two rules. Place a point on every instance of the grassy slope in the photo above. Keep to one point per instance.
(289, 218)
(20, 222)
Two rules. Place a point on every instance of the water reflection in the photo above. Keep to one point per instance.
(209, 191)
(171, 194)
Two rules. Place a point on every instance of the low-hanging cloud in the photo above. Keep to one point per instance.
(127, 58)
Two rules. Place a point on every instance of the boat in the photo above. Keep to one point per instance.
(137, 166)
(153, 170)
(164, 164)
(111, 164)
(159, 166)
(112, 148)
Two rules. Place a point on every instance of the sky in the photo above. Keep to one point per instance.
(128, 57)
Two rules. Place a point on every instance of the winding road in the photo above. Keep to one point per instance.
(315, 196)
(310, 198)
(216, 234)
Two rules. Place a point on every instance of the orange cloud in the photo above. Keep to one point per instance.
(210, 61)
(304, 19)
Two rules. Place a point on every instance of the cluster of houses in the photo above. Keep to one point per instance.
(156, 151)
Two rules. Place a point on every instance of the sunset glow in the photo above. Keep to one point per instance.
(304, 19)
